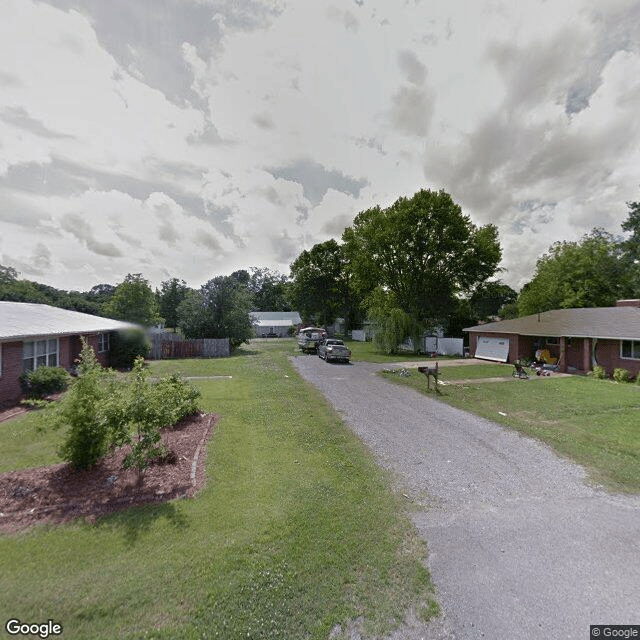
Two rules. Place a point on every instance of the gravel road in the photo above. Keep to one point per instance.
(520, 546)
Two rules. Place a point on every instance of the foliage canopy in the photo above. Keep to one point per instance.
(321, 289)
(591, 272)
(133, 301)
(219, 310)
(422, 249)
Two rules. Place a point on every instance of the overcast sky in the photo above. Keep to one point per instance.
(191, 138)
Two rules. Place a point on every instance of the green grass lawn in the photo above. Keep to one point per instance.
(475, 371)
(594, 422)
(24, 444)
(295, 531)
(368, 352)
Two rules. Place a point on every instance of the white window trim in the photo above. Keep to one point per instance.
(102, 338)
(35, 356)
(632, 349)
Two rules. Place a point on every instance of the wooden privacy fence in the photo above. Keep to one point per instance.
(172, 346)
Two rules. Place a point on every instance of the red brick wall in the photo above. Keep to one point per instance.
(573, 352)
(69, 348)
(10, 390)
(608, 356)
(93, 342)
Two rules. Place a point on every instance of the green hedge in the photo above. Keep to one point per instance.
(44, 381)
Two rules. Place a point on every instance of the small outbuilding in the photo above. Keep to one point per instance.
(574, 339)
(275, 324)
(35, 335)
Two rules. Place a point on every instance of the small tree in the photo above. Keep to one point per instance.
(146, 444)
(86, 439)
(392, 325)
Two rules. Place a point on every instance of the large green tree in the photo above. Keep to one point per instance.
(321, 285)
(422, 249)
(489, 297)
(631, 246)
(269, 290)
(591, 272)
(220, 309)
(171, 293)
(133, 301)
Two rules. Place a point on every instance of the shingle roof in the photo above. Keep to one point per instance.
(616, 323)
(20, 320)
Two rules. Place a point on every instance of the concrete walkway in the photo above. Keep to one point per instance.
(520, 546)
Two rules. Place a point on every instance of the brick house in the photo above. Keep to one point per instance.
(33, 335)
(577, 339)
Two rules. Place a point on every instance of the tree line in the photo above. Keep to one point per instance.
(408, 268)
(219, 309)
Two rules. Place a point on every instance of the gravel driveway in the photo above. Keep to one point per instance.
(520, 547)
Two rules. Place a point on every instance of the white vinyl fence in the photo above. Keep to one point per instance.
(444, 346)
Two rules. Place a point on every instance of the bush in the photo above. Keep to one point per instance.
(86, 439)
(621, 375)
(152, 407)
(599, 372)
(103, 411)
(44, 381)
(126, 346)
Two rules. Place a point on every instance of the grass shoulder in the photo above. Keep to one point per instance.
(295, 532)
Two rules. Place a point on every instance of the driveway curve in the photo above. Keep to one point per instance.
(520, 546)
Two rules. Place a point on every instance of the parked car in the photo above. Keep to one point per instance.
(309, 338)
(333, 349)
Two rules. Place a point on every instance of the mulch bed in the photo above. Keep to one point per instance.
(52, 495)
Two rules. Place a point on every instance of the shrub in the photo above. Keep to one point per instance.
(135, 411)
(179, 395)
(621, 375)
(598, 372)
(80, 410)
(44, 381)
(126, 346)
(102, 411)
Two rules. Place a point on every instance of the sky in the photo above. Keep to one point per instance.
(192, 138)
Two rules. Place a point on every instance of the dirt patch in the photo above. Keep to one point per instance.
(58, 494)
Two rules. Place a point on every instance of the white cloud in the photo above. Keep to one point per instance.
(211, 136)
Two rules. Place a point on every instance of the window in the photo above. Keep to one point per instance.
(552, 341)
(630, 349)
(39, 353)
(103, 342)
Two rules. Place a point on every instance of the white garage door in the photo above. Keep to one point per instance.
(493, 349)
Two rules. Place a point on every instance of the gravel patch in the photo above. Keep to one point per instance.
(520, 546)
